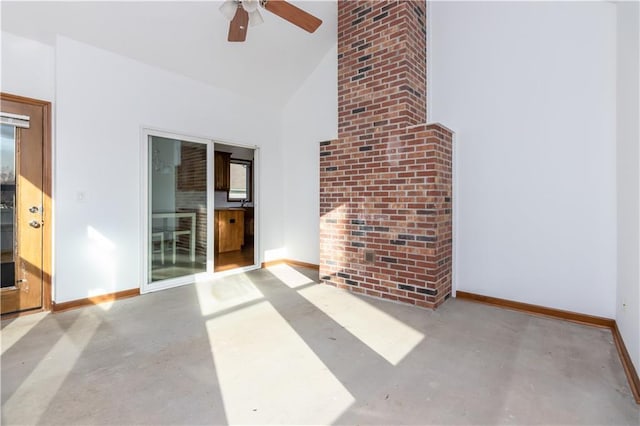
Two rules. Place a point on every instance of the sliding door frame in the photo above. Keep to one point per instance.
(257, 203)
(146, 285)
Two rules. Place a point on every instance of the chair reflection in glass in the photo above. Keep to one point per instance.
(168, 229)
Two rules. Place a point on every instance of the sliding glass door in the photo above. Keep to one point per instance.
(178, 186)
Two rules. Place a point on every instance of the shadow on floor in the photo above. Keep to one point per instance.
(273, 347)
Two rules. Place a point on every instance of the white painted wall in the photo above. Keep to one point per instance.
(310, 116)
(103, 100)
(27, 68)
(628, 167)
(529, 89)
(534, 116)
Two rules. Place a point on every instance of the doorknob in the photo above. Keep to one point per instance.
(23, 285)
(34, 224)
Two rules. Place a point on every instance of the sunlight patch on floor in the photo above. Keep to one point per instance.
(17, 329)
(388, 337)
(215, 295)
(289, 276)
(268, 374)
(52, 370)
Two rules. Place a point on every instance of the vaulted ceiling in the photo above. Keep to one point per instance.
(188, 38)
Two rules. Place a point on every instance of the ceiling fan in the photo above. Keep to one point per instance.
(243, 13)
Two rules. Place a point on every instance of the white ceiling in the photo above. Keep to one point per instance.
(188, 38)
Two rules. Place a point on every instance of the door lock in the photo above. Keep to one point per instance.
(22, 285)
(34, 224)
(34, 209)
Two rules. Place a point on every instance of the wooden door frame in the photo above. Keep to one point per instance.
(47, 198)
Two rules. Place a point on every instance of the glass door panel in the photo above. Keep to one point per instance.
(177, 208)
(7, 204)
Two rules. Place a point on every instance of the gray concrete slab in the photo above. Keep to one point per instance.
(273, 347)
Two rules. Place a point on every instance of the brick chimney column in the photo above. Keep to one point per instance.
(385, 184)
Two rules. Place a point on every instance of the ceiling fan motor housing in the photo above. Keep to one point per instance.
(246, 13)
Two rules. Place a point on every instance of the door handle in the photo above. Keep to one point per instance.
(34, 224)
(22, 285)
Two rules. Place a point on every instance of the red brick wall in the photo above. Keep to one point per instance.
(381, 65)
(191, 195)
(385, 184)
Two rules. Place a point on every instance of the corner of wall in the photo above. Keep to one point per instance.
(27, 67)
(309, 117)
(628, 176)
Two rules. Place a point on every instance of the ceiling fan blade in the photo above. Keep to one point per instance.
(238, 26)
(293, 14)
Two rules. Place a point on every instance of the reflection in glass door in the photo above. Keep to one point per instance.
(177, 237)
(7, 204)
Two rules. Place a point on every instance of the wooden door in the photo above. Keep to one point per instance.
(25, 204)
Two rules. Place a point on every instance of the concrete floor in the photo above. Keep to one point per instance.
(273, 347)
